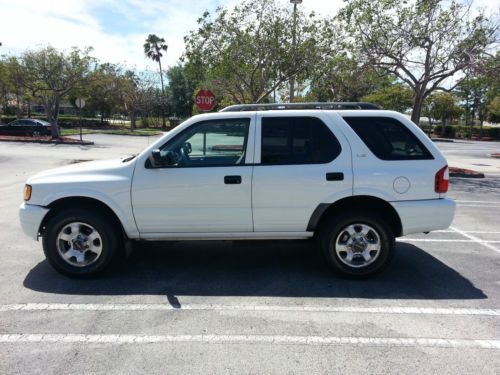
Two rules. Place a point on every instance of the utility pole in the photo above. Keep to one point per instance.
(294, 43)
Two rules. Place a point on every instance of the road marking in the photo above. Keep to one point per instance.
(479, 205)
(252, 339)
(244, 307)
(486, 202)
(403, 239)
(478, 240)
(466, 231)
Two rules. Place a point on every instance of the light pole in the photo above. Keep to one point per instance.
(294, 42)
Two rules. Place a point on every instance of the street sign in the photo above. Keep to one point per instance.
(80, 102)
(205, 100)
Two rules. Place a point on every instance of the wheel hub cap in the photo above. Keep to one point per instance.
(79, 244)
(357, 245)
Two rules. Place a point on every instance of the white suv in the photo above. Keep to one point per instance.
(352, 179)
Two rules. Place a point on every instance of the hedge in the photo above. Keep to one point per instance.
(463, 131)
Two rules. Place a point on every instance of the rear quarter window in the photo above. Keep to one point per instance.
(388, 138)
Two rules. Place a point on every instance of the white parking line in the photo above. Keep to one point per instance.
(492, 206)
(252, 339)
(403, 239)
(467, 231)
(245, 307)
(478, 240)
(486, 202)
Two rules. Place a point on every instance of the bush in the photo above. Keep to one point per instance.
(462, 131)
(449, 131)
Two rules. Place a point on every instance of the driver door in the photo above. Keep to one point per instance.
(206, 188)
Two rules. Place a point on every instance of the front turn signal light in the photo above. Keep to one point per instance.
(27, 192)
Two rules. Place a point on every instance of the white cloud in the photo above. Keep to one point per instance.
(65, 23)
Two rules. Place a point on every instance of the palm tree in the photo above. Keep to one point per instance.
(153, 50)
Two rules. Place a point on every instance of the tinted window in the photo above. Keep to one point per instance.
(388, 138)
(210, 143)
(297, 140)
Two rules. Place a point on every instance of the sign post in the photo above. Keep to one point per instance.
(205, 100)
(80, 103)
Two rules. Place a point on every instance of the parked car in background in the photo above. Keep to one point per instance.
(26, 127)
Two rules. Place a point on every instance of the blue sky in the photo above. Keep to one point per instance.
(116, 29)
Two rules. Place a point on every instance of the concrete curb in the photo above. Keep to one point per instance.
(58, 142)
(465, 173)
(447, 140)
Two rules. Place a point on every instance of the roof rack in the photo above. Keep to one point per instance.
(287, 106)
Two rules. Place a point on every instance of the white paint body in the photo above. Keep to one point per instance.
(271, 201)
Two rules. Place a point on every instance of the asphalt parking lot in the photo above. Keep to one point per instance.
(253, 307)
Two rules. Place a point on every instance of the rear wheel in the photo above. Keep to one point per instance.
(80, 242)
(356, 245)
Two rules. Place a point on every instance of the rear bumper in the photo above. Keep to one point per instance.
(31, 217)
(425, 215)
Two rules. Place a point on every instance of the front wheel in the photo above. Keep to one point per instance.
(79, 242)
(356, 245)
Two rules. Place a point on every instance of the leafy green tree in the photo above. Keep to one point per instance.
(396, 97)
(180, 92)
(103, 90)
(52, 74)
(5, 84)
(137, 94)
(494, 110)
(154, 49)
(343, 78)
(422, 42)
(444, 106)
(245, 54)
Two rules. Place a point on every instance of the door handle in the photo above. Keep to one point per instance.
(232, 180)
(335, 176)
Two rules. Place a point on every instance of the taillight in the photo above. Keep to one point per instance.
(441, 180)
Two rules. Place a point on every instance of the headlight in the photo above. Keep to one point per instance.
(27, 192)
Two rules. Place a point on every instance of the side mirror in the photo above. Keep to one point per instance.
(158, 160)
(156, 155)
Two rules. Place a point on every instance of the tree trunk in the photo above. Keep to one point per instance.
(163, 122)
(429, 131)
(18, 107)
(417, 106)
(443, 128)
(29, 108)
(52, 113)
(132, 121)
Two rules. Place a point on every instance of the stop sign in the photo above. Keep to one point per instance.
(205, 100)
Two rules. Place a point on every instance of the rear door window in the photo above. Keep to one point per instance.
(297, 140)
(388, 138)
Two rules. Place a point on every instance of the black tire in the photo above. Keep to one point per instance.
(108, 231)
(333, 228)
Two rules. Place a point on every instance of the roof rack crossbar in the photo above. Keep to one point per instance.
(289, 106)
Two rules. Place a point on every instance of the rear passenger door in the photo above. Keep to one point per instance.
(301, 160)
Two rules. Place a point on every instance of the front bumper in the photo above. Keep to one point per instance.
(425, 215)
(31, 217)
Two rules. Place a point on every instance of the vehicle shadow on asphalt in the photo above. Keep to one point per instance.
(476, 185)
(263, 268)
